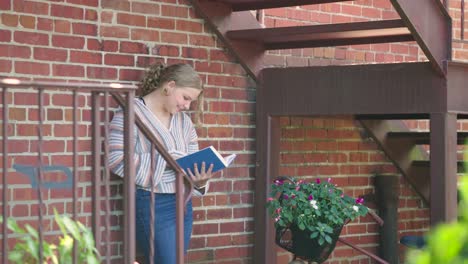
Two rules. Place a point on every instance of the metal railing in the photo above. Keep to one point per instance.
(100, 176)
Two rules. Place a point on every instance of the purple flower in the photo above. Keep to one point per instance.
(310, 197)
(329, 179)
(293, 196)
(285, 196)
(317, 181)
(279, 182)
(359, 200)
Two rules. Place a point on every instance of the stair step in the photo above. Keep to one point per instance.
(427, 163)
(384, 31)
(392, 117)
(244, 5)
(423, 138)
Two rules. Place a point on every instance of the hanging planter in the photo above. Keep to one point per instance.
(309, 216)
(303, 246)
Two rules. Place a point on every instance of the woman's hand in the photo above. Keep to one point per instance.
(200, 177)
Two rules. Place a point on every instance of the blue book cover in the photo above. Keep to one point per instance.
(208, 155)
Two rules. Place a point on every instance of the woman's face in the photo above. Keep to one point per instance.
(180, 98)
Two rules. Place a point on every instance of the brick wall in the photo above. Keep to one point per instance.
(114, 40)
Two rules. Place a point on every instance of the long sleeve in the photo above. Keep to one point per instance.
(141, 158)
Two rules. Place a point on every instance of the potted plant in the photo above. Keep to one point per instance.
(26, 250)
(309, 216)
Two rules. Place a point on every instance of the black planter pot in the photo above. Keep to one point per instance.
(302, 246)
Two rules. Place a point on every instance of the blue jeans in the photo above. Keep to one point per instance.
(164, 226)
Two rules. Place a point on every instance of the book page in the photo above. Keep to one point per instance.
(229, 159)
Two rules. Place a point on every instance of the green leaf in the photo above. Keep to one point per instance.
(321, 241)
(314, 234)
(328, 239)
(32, 231)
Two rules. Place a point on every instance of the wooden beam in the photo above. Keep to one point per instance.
(431, 26)
(398, 88)
(220, 19)
(244, 5)
(443, 158)
(325, 35)
(268, 160)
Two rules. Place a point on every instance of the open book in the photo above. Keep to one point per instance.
(208, 155)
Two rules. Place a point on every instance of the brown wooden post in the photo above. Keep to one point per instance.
(443, 167)
(268, 143)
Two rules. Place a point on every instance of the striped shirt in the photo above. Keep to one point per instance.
(179, 140)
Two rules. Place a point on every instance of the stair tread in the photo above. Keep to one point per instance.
(244, 5)
(326, 35)
(423, 137)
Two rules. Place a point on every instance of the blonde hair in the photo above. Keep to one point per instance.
(182, 74)
(157, 75)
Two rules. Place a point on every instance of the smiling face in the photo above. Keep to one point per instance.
(179, 98)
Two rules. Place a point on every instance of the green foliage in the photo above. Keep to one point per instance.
(446, 243)
(27, 249)
(319, 207)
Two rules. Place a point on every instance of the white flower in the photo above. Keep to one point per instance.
(314, 204)
(355, 208)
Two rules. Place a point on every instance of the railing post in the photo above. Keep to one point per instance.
(129, 180)
(96, 173)
(4, 174)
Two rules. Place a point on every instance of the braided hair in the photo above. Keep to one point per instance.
(157, 75)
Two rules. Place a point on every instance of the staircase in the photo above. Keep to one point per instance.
(379, 95)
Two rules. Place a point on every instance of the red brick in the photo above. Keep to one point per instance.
(172, 37)
(213, 67)
(116, 4)
(166, 50)
(219, 241)
(163, 23)
(145, 34)
(91, 15)
(50, 54)
(45, 24)
(122, 60)
(31, 38)
(107, 16)
(54, 114)
(84, 29)
(5, 5)
(32, 68)
(114, 32)
(174, 11)
(196, 53)
(10, 20)
(5, 36)
(69, 12)
(62, 26)
(146, 8)
(201, 40)
(190, 26)
(145, 61)
(110, 46)
(132, 20)
(101, 73)
(31, 7)
(85, 57)
(68, 42)
(68, 70)
(28, 22)
(93, 3)
(133, 47)
(130, 75)
(5, 66)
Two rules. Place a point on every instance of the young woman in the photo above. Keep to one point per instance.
(166, 92)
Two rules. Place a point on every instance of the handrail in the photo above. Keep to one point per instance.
(115, 90)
